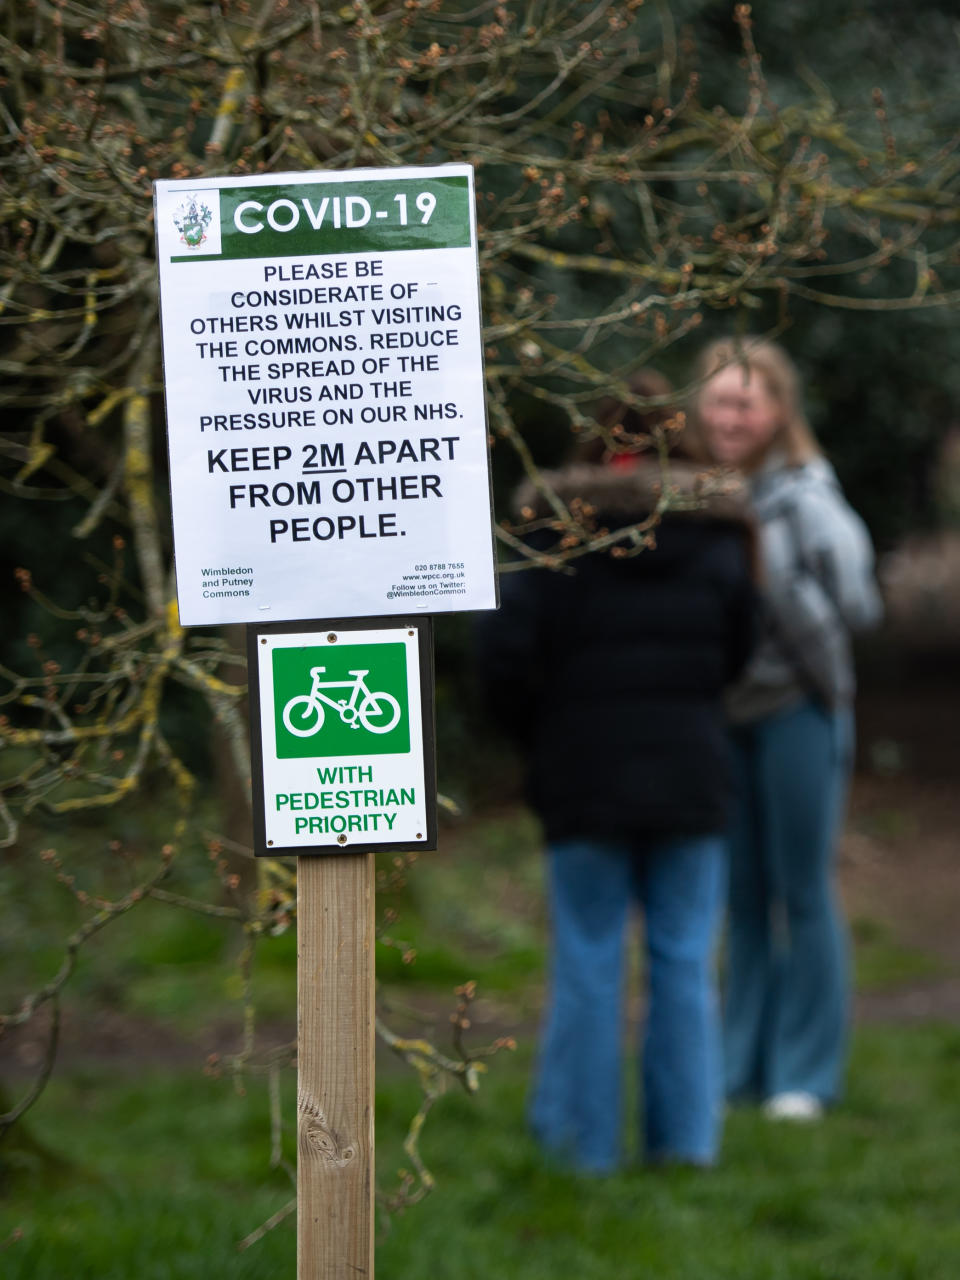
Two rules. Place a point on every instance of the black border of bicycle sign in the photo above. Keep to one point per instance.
(392, 622)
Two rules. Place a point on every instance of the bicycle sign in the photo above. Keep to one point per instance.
(340, 700)
(304, 716)
(342, 737)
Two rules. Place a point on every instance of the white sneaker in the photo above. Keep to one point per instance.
(796, 1105)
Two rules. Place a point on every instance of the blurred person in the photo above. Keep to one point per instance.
(786, 1005)
(609, 675)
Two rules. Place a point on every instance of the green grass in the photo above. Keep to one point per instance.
(870, 1193)
(158, 1177)
(145, 1175)
(142, 1179)
(475, 909)
(883, 961)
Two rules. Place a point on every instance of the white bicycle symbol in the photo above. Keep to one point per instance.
(377, 712)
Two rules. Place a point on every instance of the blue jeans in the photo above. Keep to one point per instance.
(575, 1107)
(786, 1007)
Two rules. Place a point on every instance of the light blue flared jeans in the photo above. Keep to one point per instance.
(786, 1000)
(575, 1107)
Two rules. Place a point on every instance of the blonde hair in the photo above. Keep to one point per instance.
(758, 355)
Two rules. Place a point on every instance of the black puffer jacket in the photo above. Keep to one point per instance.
(610, 677)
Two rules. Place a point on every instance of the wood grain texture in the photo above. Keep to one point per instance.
(335, 1015)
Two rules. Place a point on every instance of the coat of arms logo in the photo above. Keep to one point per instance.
(191, 218)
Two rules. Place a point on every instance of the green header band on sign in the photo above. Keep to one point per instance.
(303, 219)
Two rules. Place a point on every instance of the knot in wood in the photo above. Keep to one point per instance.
(322, 1143)
(318, 1141)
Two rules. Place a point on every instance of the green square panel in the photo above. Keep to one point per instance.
(323, 708)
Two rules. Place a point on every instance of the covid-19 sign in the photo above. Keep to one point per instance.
(324, 394)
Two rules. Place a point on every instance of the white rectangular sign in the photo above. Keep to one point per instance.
(324, 394)
(341, 759)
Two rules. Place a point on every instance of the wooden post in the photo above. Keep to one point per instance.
(335, 1017)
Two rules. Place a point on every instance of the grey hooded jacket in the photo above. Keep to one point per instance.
(819, 587)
